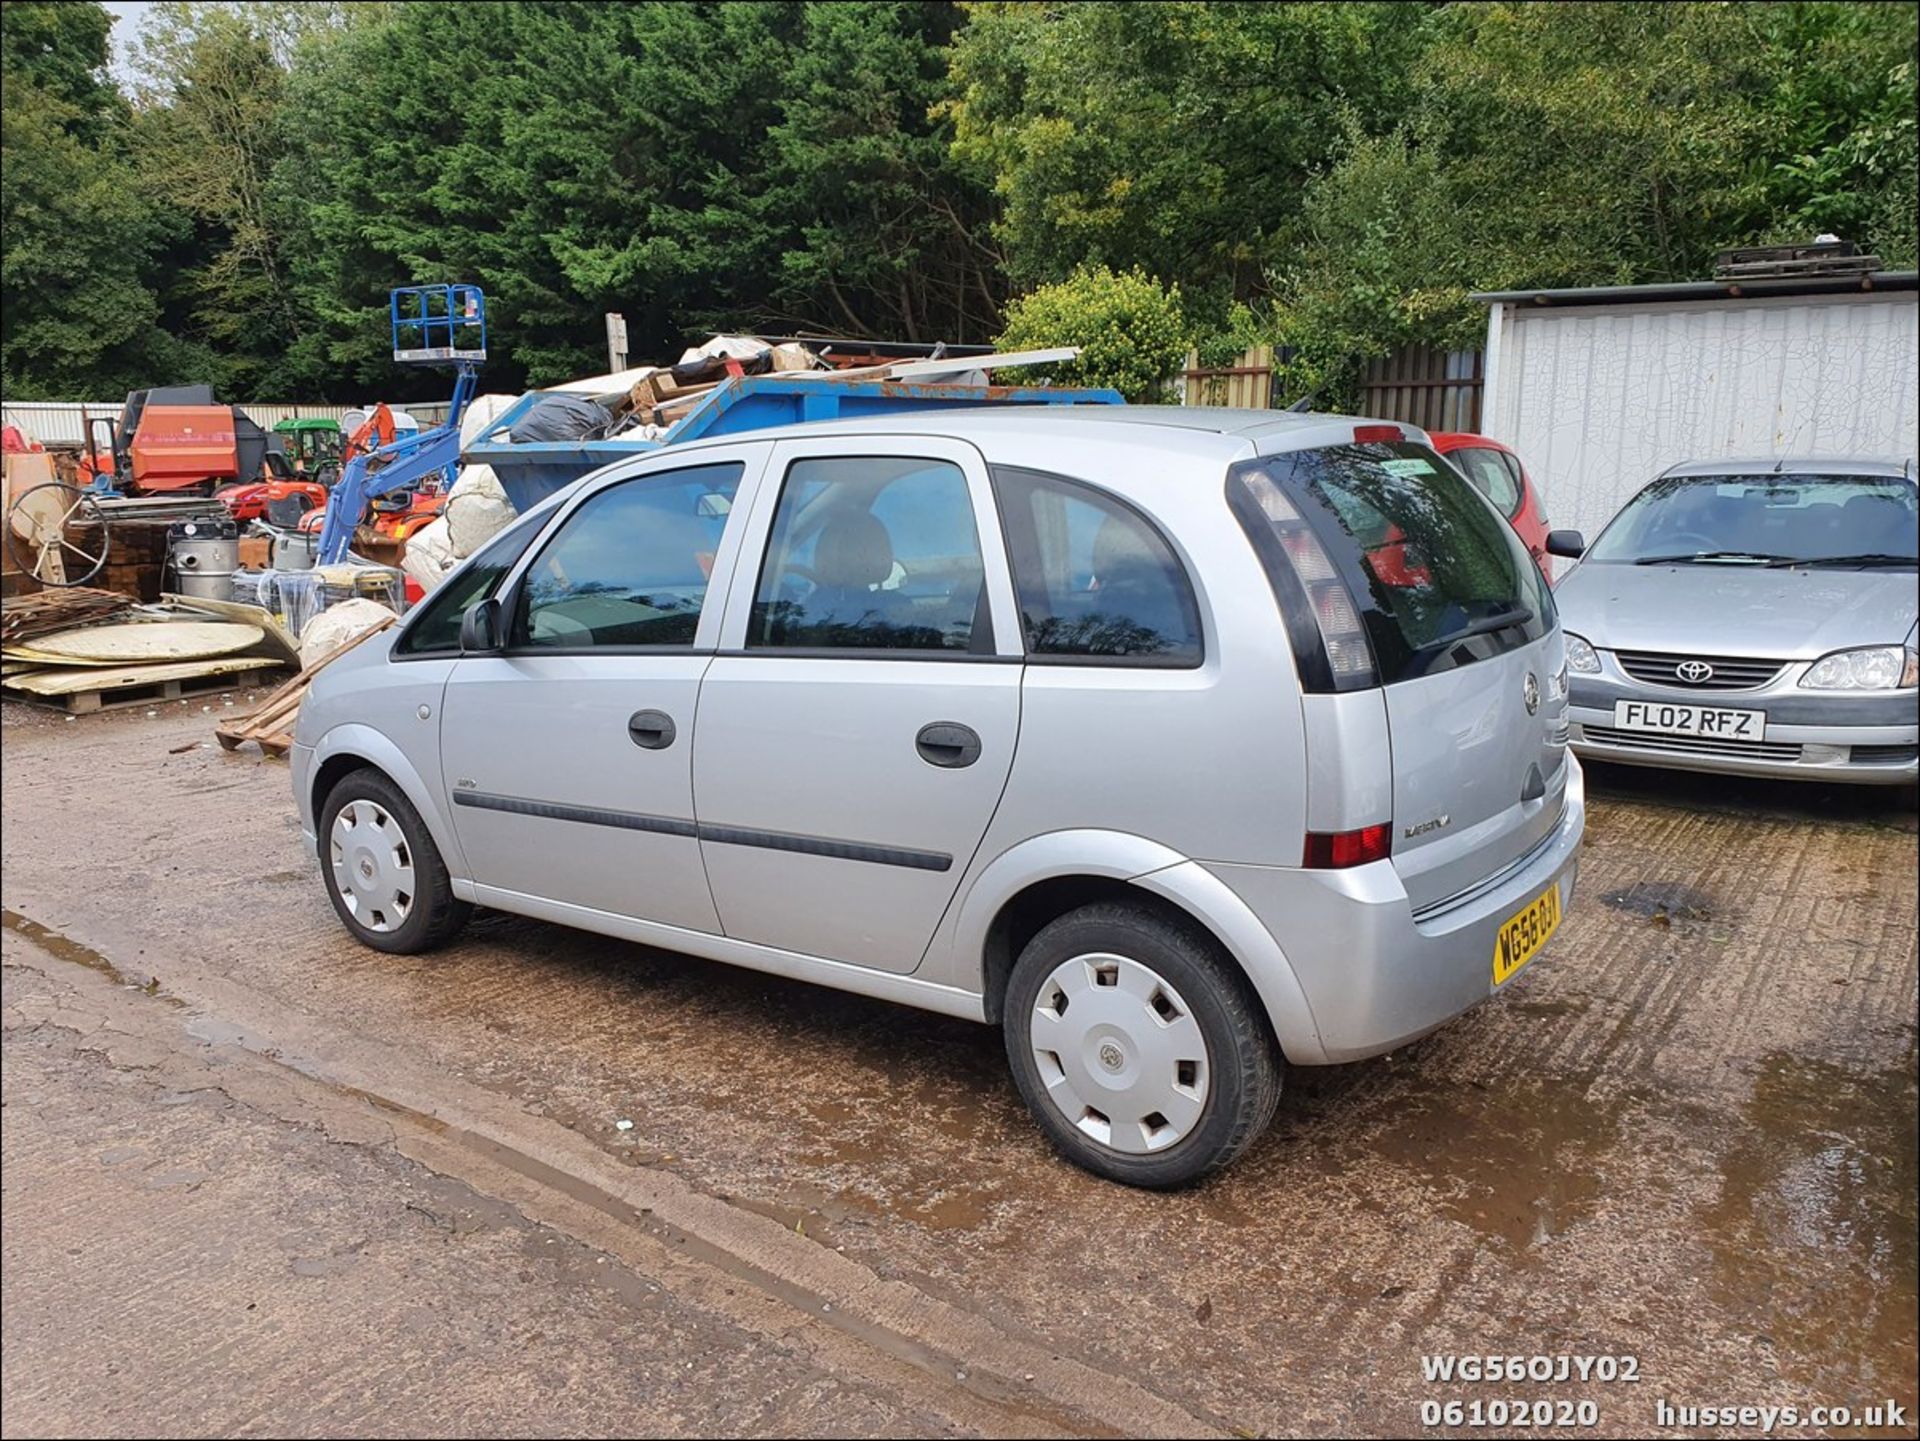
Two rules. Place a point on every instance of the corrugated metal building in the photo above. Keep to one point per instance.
(66, 422)
(1601, 389)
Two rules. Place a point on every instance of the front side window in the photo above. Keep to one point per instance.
(435, 627)
(1095, 579)
(630, 566)
(1483, 465)
(1784, 520)
(873, 553)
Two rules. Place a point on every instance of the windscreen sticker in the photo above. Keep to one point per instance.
(1405, 466)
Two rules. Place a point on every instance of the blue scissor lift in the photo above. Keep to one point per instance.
(432, 325)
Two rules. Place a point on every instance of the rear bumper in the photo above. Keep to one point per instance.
(1854, 739)
(1376, 977)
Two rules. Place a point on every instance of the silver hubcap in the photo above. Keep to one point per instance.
(1119, 1053)
(372, 866)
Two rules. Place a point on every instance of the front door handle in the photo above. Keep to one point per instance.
(948, 744)
(651, 729)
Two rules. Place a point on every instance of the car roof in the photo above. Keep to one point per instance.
(1797, 465)
(1205, 430)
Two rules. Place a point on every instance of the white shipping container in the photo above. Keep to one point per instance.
(1600, 398)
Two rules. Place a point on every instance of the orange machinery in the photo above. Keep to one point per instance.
(175, 439)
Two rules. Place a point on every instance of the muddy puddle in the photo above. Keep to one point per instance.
(1519, 1163)
(1661, 903)
(1813, 1231)
(66, 949)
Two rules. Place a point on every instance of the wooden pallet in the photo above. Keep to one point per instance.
(270, 724)
(135, 690)
(55, 610)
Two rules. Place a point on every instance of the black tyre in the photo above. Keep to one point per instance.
(1139, 1046)
(385, 876)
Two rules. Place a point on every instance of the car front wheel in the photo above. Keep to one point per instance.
(1139, 1046)
(383, 872)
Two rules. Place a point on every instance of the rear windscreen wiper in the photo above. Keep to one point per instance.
(1709, 555)
(1872, 557)
(1486, 625)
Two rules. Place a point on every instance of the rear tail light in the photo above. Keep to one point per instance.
(1329, 638)
(1337, 850)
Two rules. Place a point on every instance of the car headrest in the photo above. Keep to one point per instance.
(854, 551)
(1119, 551)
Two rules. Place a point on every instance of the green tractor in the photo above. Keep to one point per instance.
(313, 448)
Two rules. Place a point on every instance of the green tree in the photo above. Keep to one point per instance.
(880, 229)
(693, 167)
(206, 141)
(1838, 97)
(79, 314)
(1130, 330)
(1177, 137)
(568, 158)
(1595, 145)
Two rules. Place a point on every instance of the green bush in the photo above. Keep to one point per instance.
(1130, 330)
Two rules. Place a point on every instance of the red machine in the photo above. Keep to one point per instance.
(175, 439)
(270, 499)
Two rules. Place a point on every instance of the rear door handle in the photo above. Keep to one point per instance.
(948, 744)
(651, 729)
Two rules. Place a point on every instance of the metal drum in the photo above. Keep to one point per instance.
(294, 549)
(204, 559)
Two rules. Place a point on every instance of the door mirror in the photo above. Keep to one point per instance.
(1569, 543)
(480, 628)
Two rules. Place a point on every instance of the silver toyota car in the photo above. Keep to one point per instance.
(1753, 618)
(1180, 744)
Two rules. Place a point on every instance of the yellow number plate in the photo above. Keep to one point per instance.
(1521, 938)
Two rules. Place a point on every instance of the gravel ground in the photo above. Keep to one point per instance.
(1686, 1134)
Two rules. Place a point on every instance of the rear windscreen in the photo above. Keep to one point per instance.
(1439, 576)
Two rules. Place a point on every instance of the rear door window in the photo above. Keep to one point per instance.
(873, 553)
(1439, 578)
(1097, 583)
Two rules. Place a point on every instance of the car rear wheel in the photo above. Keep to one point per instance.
(383, 872)
(1139, 1046)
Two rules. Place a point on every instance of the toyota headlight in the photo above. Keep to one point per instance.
(1582, 658)
(1879, 667)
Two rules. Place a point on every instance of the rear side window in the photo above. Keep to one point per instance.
(1491, 476)
(1097, 583)
(1398, 565)
(435, 628)
(630, 566)
(873, 553)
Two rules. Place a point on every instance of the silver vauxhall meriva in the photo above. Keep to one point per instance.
(1178, 743)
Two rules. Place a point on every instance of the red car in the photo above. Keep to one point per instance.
(1500, 476)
